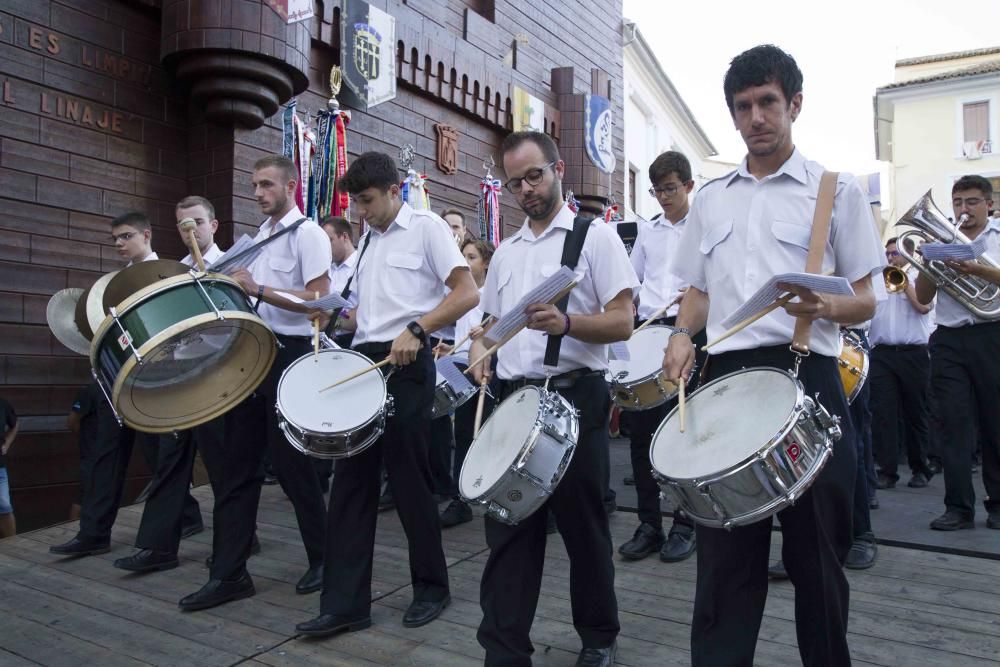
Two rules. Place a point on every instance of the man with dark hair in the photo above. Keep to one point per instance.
(297, 264)
(598, 312)
(743, 229)
(132, 237)
(455, 220)
(345, 260)
(652, 255)
(965, 364)
(407, 258)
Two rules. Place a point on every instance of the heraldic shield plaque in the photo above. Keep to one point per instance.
(368, 52)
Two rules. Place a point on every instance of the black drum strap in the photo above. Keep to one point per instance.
(221, 268)
(572, 247)
(346, 292)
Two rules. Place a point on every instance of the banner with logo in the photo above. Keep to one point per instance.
(598, 124)
(528, 111)
(292, 11)
(368, 52)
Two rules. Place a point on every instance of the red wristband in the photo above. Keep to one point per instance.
(566, 330)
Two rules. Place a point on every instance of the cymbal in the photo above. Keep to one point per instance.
(95, 301)
(80, 317)
(60, 314)
(132, 279)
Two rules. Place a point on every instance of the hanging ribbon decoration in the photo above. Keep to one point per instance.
(488, 206)
(572, 202)
(611, 213)
(298, 144)
(413, 189)
(330, 161)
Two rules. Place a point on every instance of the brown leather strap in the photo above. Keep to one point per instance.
(817, 247)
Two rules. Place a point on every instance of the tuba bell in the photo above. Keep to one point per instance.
(896, 279)
(980, 297)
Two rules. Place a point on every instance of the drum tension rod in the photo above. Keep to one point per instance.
(104, 391)
(208, 299)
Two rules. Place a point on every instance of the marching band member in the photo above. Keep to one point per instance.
(345, 259)
(744, 228)
(599, 311)
(401, 277)
(652, 254)
(965, 364)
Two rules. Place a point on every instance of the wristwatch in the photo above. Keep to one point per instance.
(418, 332)
(679, 330)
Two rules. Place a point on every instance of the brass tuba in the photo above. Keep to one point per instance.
(980, 297)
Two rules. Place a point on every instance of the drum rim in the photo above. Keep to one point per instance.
(164, 336)
(780, 434)
(285, 417)
(285, 426)
(644, 378)
(863, 376)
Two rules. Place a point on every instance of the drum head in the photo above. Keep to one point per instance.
(500, 442)
(645, 351)
(727, 421)
(343, 408)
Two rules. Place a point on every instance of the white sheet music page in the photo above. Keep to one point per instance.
(543, 293)
(769, 293)
(618, 351)
(328, 302)
(452, 374)
(954, 251)
(243, 243)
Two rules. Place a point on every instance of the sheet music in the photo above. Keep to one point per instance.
(619, 351)
(543, 293)
(243, 243)
(769, 293)
(328, 302)
(954, 251)
(452, 374)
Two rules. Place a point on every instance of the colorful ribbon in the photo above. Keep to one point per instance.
(488, 209)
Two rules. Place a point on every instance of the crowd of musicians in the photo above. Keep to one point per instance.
(413, 291)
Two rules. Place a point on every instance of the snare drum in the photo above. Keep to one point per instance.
(181, 352)
(339, 422)
(753, 444)
(446, 398)
(520, 454)
(638, 384)
(853, 364)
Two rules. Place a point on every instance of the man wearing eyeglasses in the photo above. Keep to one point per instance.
(132, 236)
(965, 363)
(598, 312)
(652, 254)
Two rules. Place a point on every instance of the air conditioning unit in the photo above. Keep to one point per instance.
(972, 150)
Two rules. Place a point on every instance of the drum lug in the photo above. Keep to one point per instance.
(390, 406)
(128, 337)
(705, 490)
(107, 397)
(501, 513)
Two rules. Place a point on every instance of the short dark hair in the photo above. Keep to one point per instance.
(136, 219)
(370, 170)
(197, 200)
(891, 241)
(485, 248)
(760, 65)
(540, 139)
(669, 163)
(973, 182)
(453, 211)
(287, 167)
(340, 225)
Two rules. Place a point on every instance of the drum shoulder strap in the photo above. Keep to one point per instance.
(572, 247)
(817, 247)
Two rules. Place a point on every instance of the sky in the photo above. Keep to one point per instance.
(845, 51)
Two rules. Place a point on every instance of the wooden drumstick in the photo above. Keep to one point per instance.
(357, 374)
(316, 333)
(467, 336)
(681, 401)
(187, 225)
(750, 320)
(479, 408)
(658, 313)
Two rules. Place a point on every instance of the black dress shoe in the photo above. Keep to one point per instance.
(647, 540)
(918, 481)
(777, 571)
(217, 592)
(455, 513)
(597, 657)
(80, 546)
(328, 624)
(194, 529)
(679, 546)
(884, 481)
(147, 560)
(254, 550)
(386, 501)
(862, 555)
(873, 503)
(311, 581)
(934, 467)
(951, 521)
(628, 480)
(422, 613)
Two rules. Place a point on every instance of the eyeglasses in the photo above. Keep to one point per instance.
(968, 201)
(892, 253)
(670, 191)
(123, 237)
(533, 177)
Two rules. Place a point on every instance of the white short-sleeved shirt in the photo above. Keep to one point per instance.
(209, 256)
(949, 312)
(401, 276)
(742, 231)
(896, 322)
(339, 275)
(148, 258)
(289, 264)
(523, 261)
(652, 255)
(466, 322)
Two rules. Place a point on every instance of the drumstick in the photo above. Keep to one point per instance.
(316, 334)
(479, 408)
(467, 336)
(658, 313)
(750, 320)
(357, 374)
(187, 226)
(681, 400)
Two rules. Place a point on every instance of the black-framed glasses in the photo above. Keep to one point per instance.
(669, 190)
(968, 201)
(533, 177)
(123, 237)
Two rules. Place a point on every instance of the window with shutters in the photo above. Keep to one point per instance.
(976, 124)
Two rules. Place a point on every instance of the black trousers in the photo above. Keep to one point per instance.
(861, 417)
(170, 506)
(817, 533)
(353, 510)
(965, 372)
(899, 380)
(104, 487)
(512, 578)
(465, 426)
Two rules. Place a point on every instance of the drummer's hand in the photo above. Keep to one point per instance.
(483, 370)
(678, 358)
(545, 317)
(476, 332)
(246, 281)
(442, 349)
(810, 304)
(404, 349)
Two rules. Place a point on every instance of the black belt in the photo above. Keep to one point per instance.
(281, 336)
(901, 348)
(374, 349)
(667, 321)
(561, 381)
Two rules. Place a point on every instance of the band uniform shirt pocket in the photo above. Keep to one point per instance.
(280, 263)
(715, 234)
(403, 274)
(504, 292)
(792, 233)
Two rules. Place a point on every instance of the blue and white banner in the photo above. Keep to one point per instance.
(368, 52)
(598, 126)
